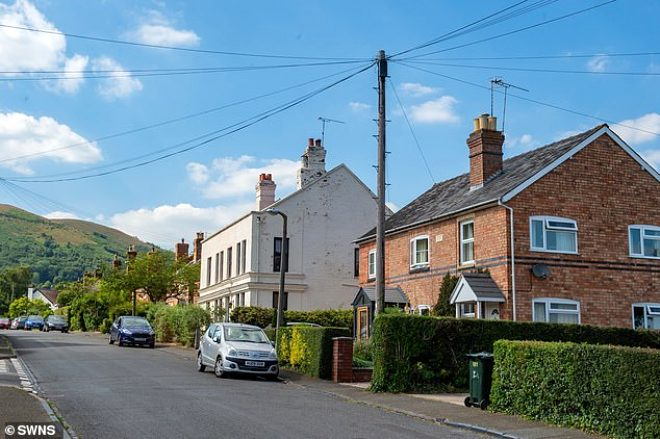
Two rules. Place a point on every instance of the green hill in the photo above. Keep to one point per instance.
(58, 250)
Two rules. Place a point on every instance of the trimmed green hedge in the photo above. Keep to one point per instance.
(611, 390)
(308, 349)
(177, 323)
(420, 353)
(262, 317)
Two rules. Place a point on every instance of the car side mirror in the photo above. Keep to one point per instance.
(272, 343)
(216, 339)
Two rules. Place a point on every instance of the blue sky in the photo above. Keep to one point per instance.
(66, 102)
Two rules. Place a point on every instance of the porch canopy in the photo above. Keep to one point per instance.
(476, 287)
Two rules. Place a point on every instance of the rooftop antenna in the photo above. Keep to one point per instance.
(325, 120)
(499, 82)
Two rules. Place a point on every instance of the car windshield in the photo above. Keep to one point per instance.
(135, 323)
(36, 318)
(250, 335)
(57, 319)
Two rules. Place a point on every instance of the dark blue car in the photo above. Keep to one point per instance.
(132, 330)
(34, 322)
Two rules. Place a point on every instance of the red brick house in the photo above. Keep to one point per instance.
(568, 233)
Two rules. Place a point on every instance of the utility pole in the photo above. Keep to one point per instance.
(380, 225)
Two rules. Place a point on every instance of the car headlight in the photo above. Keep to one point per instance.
(273, 355)
(125, 331)
(231, 352)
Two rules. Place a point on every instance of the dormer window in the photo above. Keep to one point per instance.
(553, 234)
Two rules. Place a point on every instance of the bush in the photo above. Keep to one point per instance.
(253, 315)
(177, 323)
(612, 390)
(419, 352)
(262, 317)
(363, 349)
(308, 349)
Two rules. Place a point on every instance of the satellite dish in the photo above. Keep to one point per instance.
(541, 271)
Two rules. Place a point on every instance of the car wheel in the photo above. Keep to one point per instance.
(119, 342)
(218, 370)
(273, 377)
(152, 345)
(110, 340)
(200, 364)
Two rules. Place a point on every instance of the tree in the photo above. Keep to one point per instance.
(24, 306)
(14, 282)
(443, 307)
(153, 273)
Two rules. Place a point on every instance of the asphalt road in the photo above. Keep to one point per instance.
(106, 391)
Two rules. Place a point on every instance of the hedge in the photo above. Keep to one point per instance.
(262, 317)
(611, 390)
(308, 349)
(420, 353)
(177, 323)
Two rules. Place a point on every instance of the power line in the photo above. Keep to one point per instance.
(523, 69)
(175, 120)
(545, 104)
(236, 127)
(412, 132)
(529, 57)
(552, 20)
(158, 46)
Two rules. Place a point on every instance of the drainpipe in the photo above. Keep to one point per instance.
(513, 259)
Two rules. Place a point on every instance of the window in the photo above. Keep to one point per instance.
(372, 264)
(229, 250)
(646, 316)
(556, 311)
(217, 267)
(362, 322)
(467, 309)
(238, 258)
(553, 234)
(356, 262)
(644, 241)
(277, 255)
(221, 268)
(243, 256)
(208, 271)
(467, 241)
(276, 297)
(419, 252)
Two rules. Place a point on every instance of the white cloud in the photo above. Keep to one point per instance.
(525, 141)
(197, 172)
(157, 30)
(598, 63)
(167, 224)
(653, 157)
(416, 89)
(22, 136)
(73, 67)
(120, 84)
(648, 122)
(231, 177)
(359, 106)
(440, 110)
(61, 215)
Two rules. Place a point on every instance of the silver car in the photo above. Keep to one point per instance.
(237, 348)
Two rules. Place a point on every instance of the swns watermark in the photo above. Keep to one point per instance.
(30, 430)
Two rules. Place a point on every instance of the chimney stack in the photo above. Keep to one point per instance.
(197, 247)
(181, 251)
(485, 144)
(116, 263)
(312, 163)
(265, 191)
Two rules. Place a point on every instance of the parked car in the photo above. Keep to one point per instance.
(18, 323)
(5, 322)
(132, 330)
(56, 323)
(237, 348)
(34, 322)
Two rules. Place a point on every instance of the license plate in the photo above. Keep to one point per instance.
(140, 339)
(255, 363)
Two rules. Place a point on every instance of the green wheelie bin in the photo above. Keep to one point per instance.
(481, 374)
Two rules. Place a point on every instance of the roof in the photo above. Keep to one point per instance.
(49, 294)
(453, 196)
(476, 287)
(392, 295)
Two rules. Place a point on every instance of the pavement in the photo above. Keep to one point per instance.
(443, 409)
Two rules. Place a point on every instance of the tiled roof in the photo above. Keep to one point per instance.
(51, 295)
(454, 195)
(392, 295)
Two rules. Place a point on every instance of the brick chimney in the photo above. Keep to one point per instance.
(265, 191)
(116, 263)
(312, 163)
(197, 246)
(485, 144)
(181, 251)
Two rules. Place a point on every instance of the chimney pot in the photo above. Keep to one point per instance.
(310, 141)
(318, 142)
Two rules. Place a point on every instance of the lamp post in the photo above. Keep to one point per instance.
(284, 254)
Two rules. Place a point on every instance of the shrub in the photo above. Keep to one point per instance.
(262, 317)
(308, 349)
(253, 315)
(177, 323)
(612, 390)
(363, 349)
(419, 352)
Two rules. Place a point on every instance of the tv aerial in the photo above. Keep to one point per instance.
(499, 82)
(325, 120)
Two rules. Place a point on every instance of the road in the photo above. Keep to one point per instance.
(105, 391)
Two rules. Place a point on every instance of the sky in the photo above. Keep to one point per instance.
(157, 117)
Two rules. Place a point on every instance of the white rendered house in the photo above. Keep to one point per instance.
(240, 263)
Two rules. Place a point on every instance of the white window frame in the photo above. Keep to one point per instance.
(546, 228)
(414, 264)
(371, 274)
(551, 300)
(643, 228)
(649, 309)
(466, 241)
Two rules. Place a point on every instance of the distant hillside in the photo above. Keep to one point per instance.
(58, 250)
